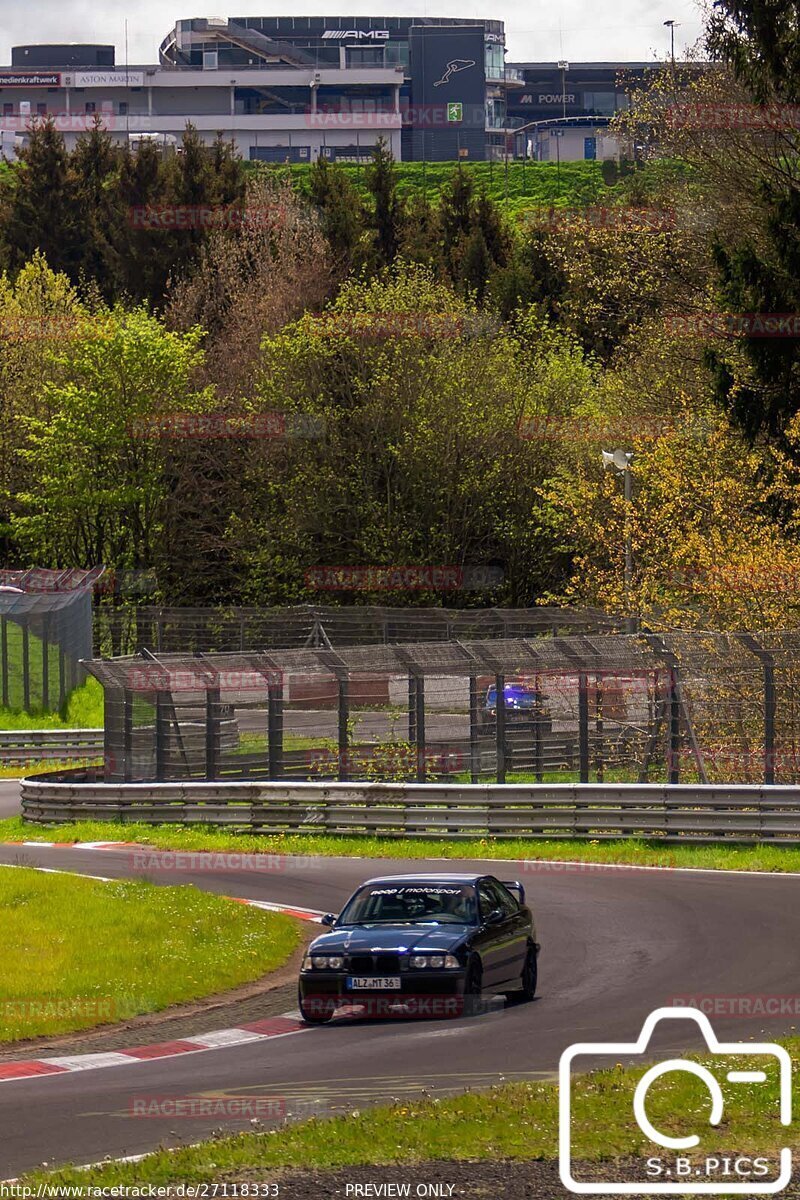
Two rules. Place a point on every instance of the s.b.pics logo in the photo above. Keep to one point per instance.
(703, 1127)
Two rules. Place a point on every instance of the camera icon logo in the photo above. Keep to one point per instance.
(678, 1173)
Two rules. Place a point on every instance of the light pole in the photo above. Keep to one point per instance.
(558, 134)
(672, 26)
(563, 68)
(620, 461)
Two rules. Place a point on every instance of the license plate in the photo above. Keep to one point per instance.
(374, 983)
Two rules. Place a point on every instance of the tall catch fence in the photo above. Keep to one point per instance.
(646, 707)
(45, 632)
(126, 629)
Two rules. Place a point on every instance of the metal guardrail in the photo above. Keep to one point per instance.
(669, 813)
(20, 746)
(35, 745)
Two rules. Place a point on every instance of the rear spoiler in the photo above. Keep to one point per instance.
(514, 885)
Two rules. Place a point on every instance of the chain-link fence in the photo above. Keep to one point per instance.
(45, 632)
(667, 707)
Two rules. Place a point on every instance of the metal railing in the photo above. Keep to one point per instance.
(665, 813)
(19, 746)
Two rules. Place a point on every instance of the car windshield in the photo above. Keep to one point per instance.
(389, 903)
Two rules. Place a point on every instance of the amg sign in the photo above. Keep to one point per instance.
(377, 35)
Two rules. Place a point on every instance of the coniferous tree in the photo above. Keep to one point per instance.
(381, 181)
(341, 209)
(95, 165)
(142, 183)
(41, 210)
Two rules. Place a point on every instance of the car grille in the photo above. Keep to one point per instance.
(374, 964)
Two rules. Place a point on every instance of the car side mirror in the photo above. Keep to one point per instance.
(495, 916)
(329, 919)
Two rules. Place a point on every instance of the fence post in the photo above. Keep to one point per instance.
(112, 733)
(46, 662)
(599, 765)
(26, 670)
(538, 721)
(770, 706)
(127, 734)
(673, 708)
(213, 726)
(770, 702)
(583, 726)
(344, 727)
(4, 658)
(500, 722)
(674, 752)
(62, 676)
(161, 737)
(474, 702)
(275, 729)
(419, 726)
(412, 708)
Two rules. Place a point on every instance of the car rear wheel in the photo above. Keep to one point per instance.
(528, 980)
(316, 1010)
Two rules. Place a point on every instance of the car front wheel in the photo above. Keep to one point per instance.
(316, 1010)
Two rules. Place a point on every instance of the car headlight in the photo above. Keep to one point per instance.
(323, 962)
(434, 962)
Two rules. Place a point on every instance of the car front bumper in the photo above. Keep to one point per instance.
(426, 992)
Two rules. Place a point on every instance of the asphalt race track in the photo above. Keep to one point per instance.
(616, 943)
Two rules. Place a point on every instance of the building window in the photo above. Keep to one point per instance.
(495, 61)
(601, 104)
(41, 109)
(8, 110)
(123, 108)
(364, 56)
(91, 107)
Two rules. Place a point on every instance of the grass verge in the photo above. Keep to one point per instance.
(65, 946)
(513, 1121)
(38, 767)
(524, 851)
(83, 709)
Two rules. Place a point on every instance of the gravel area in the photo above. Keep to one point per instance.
(269, 997)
